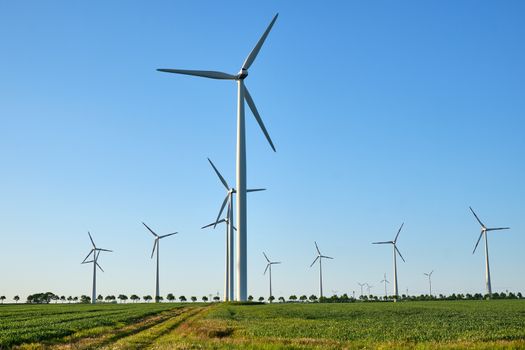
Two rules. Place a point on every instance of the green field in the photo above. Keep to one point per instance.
(440, 324)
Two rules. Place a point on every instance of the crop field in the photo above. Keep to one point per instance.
(417, 325)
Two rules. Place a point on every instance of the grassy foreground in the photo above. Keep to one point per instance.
(418, 325)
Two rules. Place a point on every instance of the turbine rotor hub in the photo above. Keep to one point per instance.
(243, 73)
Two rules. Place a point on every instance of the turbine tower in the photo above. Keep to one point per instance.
(429, 275)
(269, 268)
(385, 281)
(96, 252)
(484, 230)
(320, 257)
(230, 191)
(156, 247)
(395, 250)
(242, 95)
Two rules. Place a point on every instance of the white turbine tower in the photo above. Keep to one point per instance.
(385, 281)
(320, 257)
(156, 246)
(429, 275)
(242, 95)
(96, 252)
(395, 261)
(484, 230)
(269, 268)
(230, 191)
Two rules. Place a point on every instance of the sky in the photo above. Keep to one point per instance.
(381, 112)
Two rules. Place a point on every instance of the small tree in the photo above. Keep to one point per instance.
(312, 298)
(170, 297)
(216, 298)
(194, 299)
(69, 299)
(271, 298)
(205, 299)
(292, 297)
(75, 299)
(261, 299)
(85, 299)
(2, 298)
(147, 298)
(134, 298)
(63, 298)
(182, 298)
(303, 298)
(100, 297)
(281, 299)
(250, 298)
(16, 298)
(122, 298)
(108, 298)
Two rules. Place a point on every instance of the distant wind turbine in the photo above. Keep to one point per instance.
(368, 287)
(243, 95)
(320, 257)
(156, 243)
(385, 281)
(484, 230)
(429, 275)
(361, 285)
(228, 200)
(269, 269)
(96, 252)
(395, 261)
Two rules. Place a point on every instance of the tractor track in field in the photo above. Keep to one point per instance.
(137, 335)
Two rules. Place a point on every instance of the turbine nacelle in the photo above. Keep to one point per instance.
(243, 73)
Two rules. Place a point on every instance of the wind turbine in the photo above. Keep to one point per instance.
(484, 230)
(361, 285)
(395, 261)
(156, 246)
(368, 287)
(429, 275)
(96, 252)
(269, 268)
(230, 191)
(385, 281)
(320, 257)
(242, 95)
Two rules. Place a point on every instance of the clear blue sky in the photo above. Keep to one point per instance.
(381, 112)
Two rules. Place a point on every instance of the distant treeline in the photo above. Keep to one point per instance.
(48, 297)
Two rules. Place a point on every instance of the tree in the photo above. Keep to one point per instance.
(159, 299)
(84, 299)
(16, 298)
(170, 297)
(271, 298)
(75, 299)
(108, 298)
(63, 298)
(205, 298)
(122, 297)
(100, 297)
(2, 298)
(182, 298)
(134, 298)
(194, 299)
(261, 299)
(147, 298)
(281, 299)
(55, 298)
(250, 298)
(312, 298)
(293, 297)
(216, 298)
(303, 298)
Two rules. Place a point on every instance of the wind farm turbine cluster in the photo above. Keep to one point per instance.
(235, 201)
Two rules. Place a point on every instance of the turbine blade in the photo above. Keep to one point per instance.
(472, 210)
(104, 250)
(398, 232)
(201, 73)
(266, 257)
(219, 175)
(498, 228)
(154, 246)
(385, 242)
(169, 234)
(214, 223)
(251, 57)
(276, 262)
(317, 247)
(99, 266)
(426, 274)
(250, 102)
(255, 189)
(266, 269)
(150, 230)
(91, 239)
(479, 239)
(398, 252)
(327, 257)
(87, 256)
(221, 210)
(315, 261)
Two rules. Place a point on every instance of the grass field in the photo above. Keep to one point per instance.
(441, 324)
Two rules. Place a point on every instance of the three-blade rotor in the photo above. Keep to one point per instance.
(157, 238)
(319, 255)
(269, 263)
(394, 242)
(484, 229)
(96, 252)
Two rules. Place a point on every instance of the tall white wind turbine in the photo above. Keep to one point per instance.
(96, 252)
(385, 281)
(484, 230)
(320, 257)
(228, 200)
(242, 95)
(395, 250)
(269, 268)
(156, 247)
(429, 275)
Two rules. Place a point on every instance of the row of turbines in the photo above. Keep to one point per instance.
(228, 280)
(235, 283)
